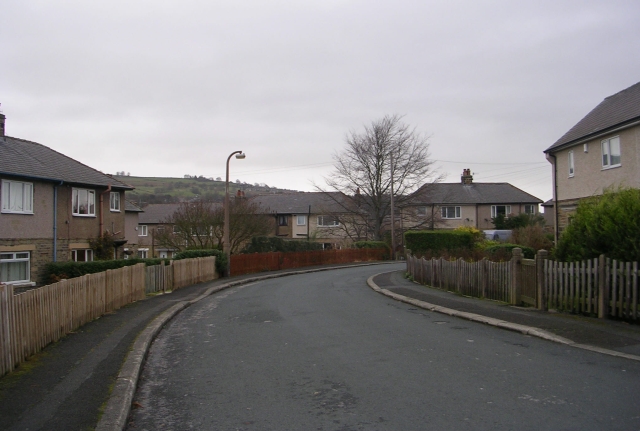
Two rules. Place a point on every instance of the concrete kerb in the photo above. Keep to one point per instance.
(118, 406)
(523, 329)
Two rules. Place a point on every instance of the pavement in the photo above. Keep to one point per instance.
(87, 380)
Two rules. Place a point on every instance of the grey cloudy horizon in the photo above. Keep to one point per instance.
(172, 88)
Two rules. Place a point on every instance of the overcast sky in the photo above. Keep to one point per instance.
(167, 88)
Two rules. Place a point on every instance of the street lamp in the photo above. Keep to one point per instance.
(393, 220)
(226, 247)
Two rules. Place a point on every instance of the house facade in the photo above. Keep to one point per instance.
(601, 151)
(51, 208)
(151, 221)
(307, 216)
(450, 205)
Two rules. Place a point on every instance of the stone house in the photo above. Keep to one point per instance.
(600, 151)
(52, 206)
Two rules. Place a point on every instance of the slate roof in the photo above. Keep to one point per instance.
(471, 194)
(614, 111)
(22, 158)
(131, 207)
(157, 213)
(298, 203)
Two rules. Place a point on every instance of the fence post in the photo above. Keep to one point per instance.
(603, 292)
(516, 271)
(541, 256)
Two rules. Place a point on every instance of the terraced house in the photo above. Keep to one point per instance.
(602, 150)
(52, 206)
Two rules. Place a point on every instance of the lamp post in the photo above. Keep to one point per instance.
(393, 221)
(226, 246)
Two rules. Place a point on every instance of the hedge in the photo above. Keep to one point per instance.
(221, 258)
(527, 252)
(439, 240)
(55, 271)
(263, 244)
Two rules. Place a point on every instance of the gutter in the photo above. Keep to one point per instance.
(591, 137)
(102, 209)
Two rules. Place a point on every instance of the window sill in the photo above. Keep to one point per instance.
(606, 168)
(115, 211)
(19, 283)
(84, 215)
(17, 212)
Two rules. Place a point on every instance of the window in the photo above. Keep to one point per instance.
(17, 197)
(283, 220)
(85, 255)
(14, 267)
(571, 165)
(176, 229)
(301, 220)
(530, 209)
(114, 201)
(142, 230)
(450, 212)
(328, 221)
(143, 253)
(421, 211)
(611, 152)
(497, 210)
(125, 253)
(83, 202)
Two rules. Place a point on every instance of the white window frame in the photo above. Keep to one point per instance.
(143, 253)
(301, 220)
(10, 258)
(445, 212)
(85, 194)
(572, 166)
(114, 201)
(494, 210)
(611, 152)
(142, 230)
(333, 219)
(88, 255)
(17, 197)
(530, 209)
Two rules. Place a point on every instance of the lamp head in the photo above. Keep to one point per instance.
(241, 156)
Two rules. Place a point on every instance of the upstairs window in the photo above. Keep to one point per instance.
(114, 201)
(17, 197)
(14, 267)
(421, 211)
(328, 221)
(497, 210)
(530, 209)
(283, 220)
(571, 164)
(142, 230)
(301, 220)
(611, 152)
(450, 212)
(83, 202)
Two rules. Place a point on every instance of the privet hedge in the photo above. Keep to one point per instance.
(55, 271)
(263, 244)
(437, 240)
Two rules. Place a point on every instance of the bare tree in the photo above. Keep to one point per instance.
(199, 224)
(363, 172)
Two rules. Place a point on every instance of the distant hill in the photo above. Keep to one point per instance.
(156, 190)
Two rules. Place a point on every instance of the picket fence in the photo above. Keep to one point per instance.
(599, 287)
(31, 320)
(274, 261)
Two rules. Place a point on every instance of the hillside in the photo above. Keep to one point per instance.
(154, 190)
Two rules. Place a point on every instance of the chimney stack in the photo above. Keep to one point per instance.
(466, 177)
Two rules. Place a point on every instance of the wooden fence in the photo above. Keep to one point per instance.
(31, 320)
(259, 262)
(602, 286)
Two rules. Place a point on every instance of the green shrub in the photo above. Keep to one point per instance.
(264, 244)
(505, 250)
(221, 258)
(608, 224)
(420, 242)
(55, 271)
(370, 244)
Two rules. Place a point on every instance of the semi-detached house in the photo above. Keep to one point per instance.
(52, 206)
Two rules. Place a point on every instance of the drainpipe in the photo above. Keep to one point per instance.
(308, 223)
(555, 197)
(101, 209)
(55, 221)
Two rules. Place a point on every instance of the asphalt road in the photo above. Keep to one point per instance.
(322, 351)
